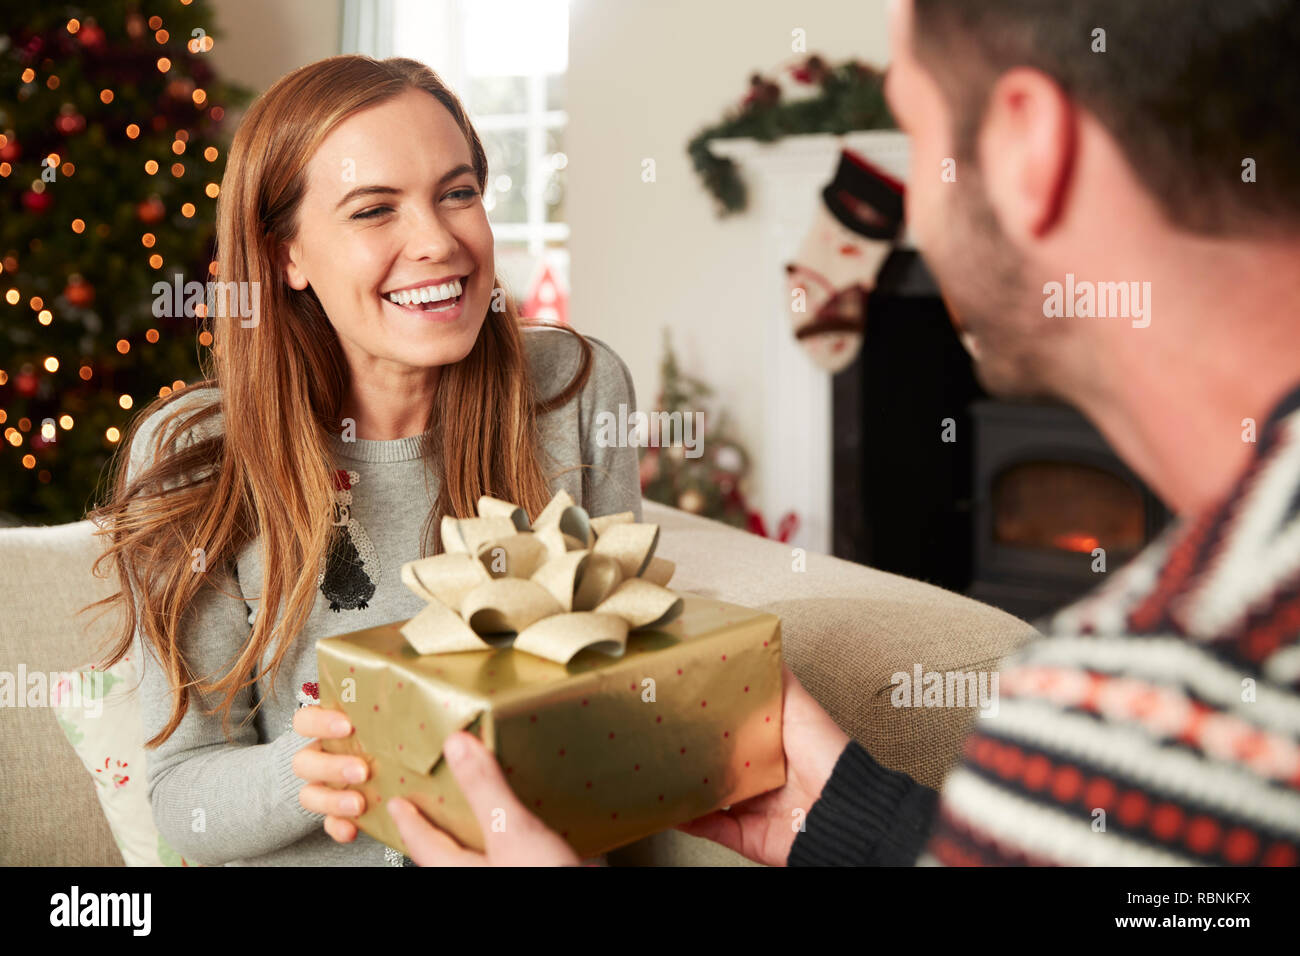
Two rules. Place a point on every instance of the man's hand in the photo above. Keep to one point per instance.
(763, 828)
(525, 841)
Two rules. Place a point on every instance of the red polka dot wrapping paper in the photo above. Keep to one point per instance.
(604, 750)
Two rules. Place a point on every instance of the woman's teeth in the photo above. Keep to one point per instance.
(447, 292)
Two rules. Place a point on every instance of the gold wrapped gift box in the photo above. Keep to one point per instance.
(645, 719)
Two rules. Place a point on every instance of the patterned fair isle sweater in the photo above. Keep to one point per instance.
(1157, 723)
(220, 800)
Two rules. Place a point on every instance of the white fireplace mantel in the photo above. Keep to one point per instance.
(784, 180)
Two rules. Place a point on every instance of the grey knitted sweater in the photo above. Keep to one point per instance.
(219, 800)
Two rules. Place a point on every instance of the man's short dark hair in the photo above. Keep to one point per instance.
(1190, 89)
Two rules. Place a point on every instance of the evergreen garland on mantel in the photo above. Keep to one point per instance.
(849, 97)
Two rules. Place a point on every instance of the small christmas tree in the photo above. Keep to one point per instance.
(713, 484)
(111, 157)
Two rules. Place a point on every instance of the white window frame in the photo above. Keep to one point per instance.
(368, 27)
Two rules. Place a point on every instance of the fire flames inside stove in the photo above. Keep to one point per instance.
(1067, 507)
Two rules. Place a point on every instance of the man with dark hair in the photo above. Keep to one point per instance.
(1092, 145)
(1186, 91)
(1108, 194)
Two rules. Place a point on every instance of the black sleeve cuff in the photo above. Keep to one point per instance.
(867, 815)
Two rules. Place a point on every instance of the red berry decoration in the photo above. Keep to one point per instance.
(814, 70)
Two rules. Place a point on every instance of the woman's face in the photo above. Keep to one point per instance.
(392, 204)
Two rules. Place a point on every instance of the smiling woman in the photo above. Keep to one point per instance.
(402, 220)
(389, 382)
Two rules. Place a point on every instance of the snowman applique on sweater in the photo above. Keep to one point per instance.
(349, 578)
(351, 569)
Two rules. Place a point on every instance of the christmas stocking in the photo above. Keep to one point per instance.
(835, 269)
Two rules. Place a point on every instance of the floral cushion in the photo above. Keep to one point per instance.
(101, 719)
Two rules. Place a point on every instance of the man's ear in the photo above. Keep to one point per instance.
(1027, 149)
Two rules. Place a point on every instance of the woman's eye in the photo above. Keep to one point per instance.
(463, 195)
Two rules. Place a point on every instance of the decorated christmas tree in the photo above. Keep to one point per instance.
(111, 155)
(714, 483)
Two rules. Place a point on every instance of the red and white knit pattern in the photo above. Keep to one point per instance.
(1159, 721)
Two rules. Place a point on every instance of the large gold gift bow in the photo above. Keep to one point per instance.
(566, 584)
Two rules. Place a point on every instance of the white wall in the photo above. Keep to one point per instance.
(644, 77)
(261, 41)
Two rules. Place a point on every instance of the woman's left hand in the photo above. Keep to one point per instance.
(512, 835)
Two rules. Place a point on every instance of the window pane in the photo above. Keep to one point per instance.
(554, 170)
(515, 266)
(555, 91)
(507, 166)
(497, 94)
(558, 257)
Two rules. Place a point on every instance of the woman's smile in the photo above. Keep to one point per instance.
(435, 301)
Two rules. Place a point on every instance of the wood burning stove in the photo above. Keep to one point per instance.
(1055, 508)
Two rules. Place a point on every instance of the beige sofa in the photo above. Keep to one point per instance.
(847, 629)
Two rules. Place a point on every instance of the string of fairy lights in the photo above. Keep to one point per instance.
(150, 211)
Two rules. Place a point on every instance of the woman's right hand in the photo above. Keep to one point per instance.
(320, 769)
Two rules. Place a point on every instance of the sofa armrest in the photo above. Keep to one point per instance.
(50, 815)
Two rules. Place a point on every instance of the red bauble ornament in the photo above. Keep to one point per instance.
(69, 121)
(181, 89)
(79, 292)
(35, 202)
(91, 36)
(151, 210)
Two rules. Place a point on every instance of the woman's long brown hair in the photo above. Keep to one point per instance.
(267, 472)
